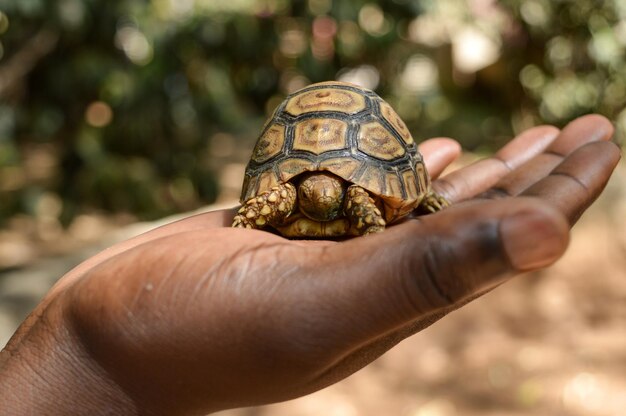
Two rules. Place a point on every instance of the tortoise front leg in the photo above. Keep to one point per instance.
(365, 218)
(269, 207)
(432, 203)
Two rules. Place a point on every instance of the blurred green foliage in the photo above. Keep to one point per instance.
(120, 106)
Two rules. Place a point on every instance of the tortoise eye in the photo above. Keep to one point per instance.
(323, 94)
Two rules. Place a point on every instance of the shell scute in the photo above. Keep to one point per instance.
(394, 119)
(293, 166)
(326, 99)
(372, 180)
(377, 141)
(422, 177)
(267, 180)
(393, 185)
(269, 144)
(343, 167)
(319, 135)
(410, 185)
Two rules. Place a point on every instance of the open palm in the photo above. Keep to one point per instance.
(195, 316)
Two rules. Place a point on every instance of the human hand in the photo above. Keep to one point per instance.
(196, 317)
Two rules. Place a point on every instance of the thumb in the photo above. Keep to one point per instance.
(379, 283)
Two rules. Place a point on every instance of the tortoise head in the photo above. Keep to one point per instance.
(320, 196)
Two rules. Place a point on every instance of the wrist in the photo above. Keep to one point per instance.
(48, 372)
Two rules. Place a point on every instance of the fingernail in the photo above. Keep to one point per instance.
(533, 240)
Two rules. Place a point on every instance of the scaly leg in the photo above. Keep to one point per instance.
(365, 218)
(269, 207)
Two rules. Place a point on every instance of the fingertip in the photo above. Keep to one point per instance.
(575, 183)
(444, 142)
(600, 123)
(534, 235)
(546, 129)
(439, 145)
(528, 144)
(542, 132)
(585, 129)
(438, 153)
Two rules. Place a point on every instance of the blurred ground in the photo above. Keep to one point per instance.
(550, 343)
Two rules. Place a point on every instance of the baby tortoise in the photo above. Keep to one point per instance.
(334, 160)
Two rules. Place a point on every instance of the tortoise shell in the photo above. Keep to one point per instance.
(346, 130)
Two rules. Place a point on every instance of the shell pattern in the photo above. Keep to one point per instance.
(347, 130)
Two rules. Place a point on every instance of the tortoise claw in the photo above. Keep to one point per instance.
(432, 203)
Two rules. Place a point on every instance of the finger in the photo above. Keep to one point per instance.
(586, 129)
(583, 130)
(438, 154)
(578, 181)
(467, 182)
(572, 187)
(381, 283)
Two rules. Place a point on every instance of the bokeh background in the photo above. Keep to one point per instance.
(113, 113)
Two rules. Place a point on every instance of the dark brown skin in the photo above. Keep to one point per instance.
(197, 316)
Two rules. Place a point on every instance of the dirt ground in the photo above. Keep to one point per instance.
(550, 343)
